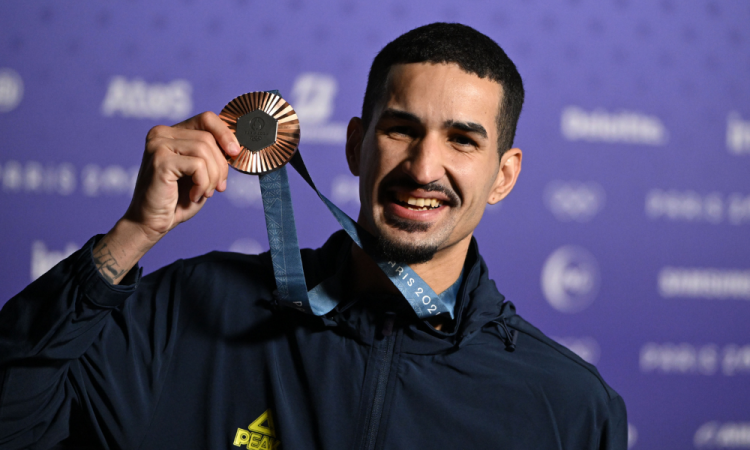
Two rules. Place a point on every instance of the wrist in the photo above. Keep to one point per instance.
(136, 236)
(121, 249)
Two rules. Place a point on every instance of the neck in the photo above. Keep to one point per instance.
(439, 273)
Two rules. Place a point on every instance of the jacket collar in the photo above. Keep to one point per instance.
(478, 303)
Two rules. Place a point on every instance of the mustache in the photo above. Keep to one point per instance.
(410, 185)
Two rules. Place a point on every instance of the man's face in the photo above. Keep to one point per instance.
(428, 163)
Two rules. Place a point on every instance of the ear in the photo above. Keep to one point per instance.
(507, 174)
(354, 136)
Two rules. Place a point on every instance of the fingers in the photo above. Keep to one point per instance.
(196, 169)
(210, 122)
(206, 128)
(167, 169)
(206, 150)
(181, 167)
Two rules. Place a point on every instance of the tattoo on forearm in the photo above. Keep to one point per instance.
(107, 264)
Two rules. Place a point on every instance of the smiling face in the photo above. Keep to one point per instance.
(429, 163)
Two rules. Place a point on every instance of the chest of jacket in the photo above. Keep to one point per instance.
(365, 388)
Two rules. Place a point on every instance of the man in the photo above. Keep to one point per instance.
(199, 354)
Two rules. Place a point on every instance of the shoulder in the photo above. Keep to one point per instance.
(318, 263)
(557, 365)
(218, 260)
(220, 274)
(548, 377)
(537, 358)
(217, 278)
(223, 267)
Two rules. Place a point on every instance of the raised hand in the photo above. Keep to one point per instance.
(183, 165)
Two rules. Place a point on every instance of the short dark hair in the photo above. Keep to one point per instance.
(451, 43)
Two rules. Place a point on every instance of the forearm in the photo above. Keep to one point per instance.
(57, 339)
(120, 250)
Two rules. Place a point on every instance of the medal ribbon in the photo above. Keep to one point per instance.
(287, 263)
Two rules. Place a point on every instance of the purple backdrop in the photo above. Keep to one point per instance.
(626, 237)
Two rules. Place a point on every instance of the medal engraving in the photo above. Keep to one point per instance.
(256, 130)
(267, 129)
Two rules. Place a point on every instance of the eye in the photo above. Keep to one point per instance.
(463, 140)
(402, 130)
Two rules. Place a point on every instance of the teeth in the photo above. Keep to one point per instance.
(418, 202)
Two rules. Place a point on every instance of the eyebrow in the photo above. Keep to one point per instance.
(468, 127)
(390, 113)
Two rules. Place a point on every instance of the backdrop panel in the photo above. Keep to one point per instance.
(626, 237)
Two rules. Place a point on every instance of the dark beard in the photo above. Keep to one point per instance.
(405, 252)
(409, 253)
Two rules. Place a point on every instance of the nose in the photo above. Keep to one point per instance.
(425, 162)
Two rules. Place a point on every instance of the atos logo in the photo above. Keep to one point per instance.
(11, 89)
(138, 99)
(570, 279)
(313, 95)
(573, 200)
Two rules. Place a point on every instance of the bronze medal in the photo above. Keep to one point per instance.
(267, 129)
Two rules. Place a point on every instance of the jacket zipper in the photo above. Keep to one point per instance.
(382, 382)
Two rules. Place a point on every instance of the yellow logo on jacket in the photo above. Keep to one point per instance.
(259, 435)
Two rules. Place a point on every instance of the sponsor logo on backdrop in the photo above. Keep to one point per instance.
(11, 89)
(61, 178)
(246, 245)
(738, 209)
(704, 283)
(141, 100)
(683, 358)
(345, 189)
(585, 347)
(690, 206)
(574, 200)
(632, 435)
(313, 97)
(32, 176)
(570, 279)
(43, 259)
(243, 190)
(95, 181)
(738, 134)
(110, 180)
(715, 434)
(577, 124)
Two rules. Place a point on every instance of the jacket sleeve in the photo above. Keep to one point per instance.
(75, 354)
(615, 432)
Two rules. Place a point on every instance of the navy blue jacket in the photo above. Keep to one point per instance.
(198, 356)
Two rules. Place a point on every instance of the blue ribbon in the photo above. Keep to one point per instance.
(287, 263)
